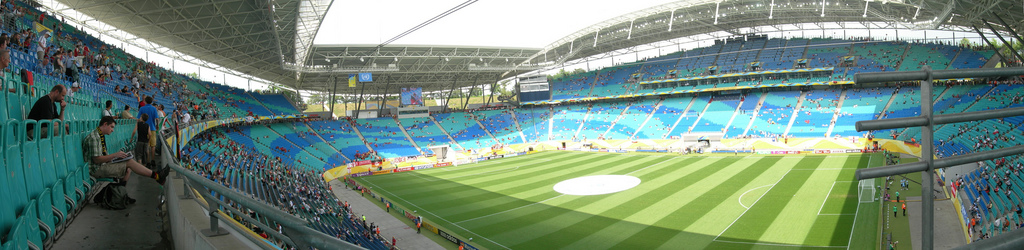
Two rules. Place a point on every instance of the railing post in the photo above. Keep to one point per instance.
(927, 154)
(187, 192)
(215, 229)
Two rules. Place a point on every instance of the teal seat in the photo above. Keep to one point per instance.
(48, 165)
(33, 182)
(8, 217)
(12, 157)
(14, 104)
(67, 166)
(3, 100)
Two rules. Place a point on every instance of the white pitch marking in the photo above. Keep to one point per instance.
(740, 199)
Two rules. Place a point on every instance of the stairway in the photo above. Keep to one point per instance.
(699, 116)
(477, 120)
(903, 57)
(261, 103)
(610, 127)
(318, 135)
(835, 116)
(519, 127)
(796, 110)
(655, 110)
(734, 112)
(408, 137)
(676, 124)
(449, 135)
(757, 110)
(586, 118)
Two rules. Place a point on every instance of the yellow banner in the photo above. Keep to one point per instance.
(40, 27)
(335, 173)
(352, 82)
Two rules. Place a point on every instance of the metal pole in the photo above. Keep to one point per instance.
(938, 119)
(383, 99)
(359, 100)
(449, 99)
(1001, 57)
(1012, 32)
(335, 92)
(871, 173)
(465, 104)
(928, 181)
(1005, 44)
(879, 77)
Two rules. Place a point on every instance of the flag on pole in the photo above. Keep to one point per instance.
(351, 80)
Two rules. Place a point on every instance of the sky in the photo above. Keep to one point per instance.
(501, 23)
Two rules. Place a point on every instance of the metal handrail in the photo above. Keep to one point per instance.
(297, 229)
(927, 121)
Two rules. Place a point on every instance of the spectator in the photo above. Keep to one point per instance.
(185, 118)
(100, 165)
(142, 142)
(41, 46)
(108, 109)
(151, 111)
(5, 52)
(75, 87)
(125, 114)
(44, 108)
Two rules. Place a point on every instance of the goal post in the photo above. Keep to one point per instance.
(866, 191)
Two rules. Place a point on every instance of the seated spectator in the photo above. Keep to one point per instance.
(125, 114)
(44, 108)
(107, 111)
(5, 52)
(100, 161)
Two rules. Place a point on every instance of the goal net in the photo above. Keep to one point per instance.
(866, 191)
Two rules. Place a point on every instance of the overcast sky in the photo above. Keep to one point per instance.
(503, 23)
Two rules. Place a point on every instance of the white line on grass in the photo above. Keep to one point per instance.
(826, 197)
(669, 159)
(510, 210)
(755, 202)
(778, 244)
(485, 164)
(748, 191)
(854, 226)
(488, 172)
(435, 215)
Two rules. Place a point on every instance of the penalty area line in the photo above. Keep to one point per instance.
(740, 199)
(752, 204)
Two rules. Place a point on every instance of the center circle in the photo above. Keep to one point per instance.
(597, 184)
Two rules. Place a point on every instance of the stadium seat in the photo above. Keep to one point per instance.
(33, 170)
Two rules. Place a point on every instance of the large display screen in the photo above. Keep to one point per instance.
(412, 96)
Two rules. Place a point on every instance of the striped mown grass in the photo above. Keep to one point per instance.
(683, 202)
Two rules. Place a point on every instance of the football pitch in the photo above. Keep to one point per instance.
(681, 202)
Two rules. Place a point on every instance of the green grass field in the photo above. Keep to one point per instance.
(683, 202)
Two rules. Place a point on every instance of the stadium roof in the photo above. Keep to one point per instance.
(267, 38)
